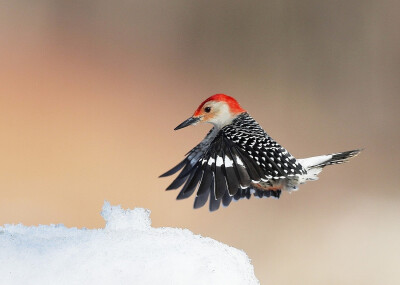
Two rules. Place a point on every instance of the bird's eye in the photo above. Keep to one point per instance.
(207, 109)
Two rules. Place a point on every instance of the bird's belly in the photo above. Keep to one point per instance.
(269, 185)
(279, 184)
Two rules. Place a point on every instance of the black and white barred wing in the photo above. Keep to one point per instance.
(216, 168)
(189, 163)
(230, 163)
(275, 161)
(220, 173)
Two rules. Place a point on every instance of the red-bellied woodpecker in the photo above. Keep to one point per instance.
(238, 158)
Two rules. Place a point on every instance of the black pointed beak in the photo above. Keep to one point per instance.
(188, 122)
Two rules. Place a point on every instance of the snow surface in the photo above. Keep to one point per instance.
(127, 251)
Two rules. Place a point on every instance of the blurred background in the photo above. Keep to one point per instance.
(90, 92)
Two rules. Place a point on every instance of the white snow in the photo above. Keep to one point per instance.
(127, 251)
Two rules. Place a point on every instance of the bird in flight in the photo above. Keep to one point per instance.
(237, 159)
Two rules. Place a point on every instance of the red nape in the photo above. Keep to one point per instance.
(232, 103)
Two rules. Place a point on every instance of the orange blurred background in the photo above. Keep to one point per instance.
(90, 92)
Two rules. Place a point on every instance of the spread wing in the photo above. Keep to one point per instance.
(227, 164)
(219, 174)
(274, 160)
(189, 164)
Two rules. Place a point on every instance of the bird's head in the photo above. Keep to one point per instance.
(219, 110)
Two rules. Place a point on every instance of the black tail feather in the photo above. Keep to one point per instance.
(338, 158)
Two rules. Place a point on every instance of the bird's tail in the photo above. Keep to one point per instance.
(315, 164)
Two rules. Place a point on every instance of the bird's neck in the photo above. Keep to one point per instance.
(224, 118)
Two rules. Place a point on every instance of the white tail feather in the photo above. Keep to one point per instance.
(315, 164)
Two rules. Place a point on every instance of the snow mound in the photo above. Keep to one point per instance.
(127, 251)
